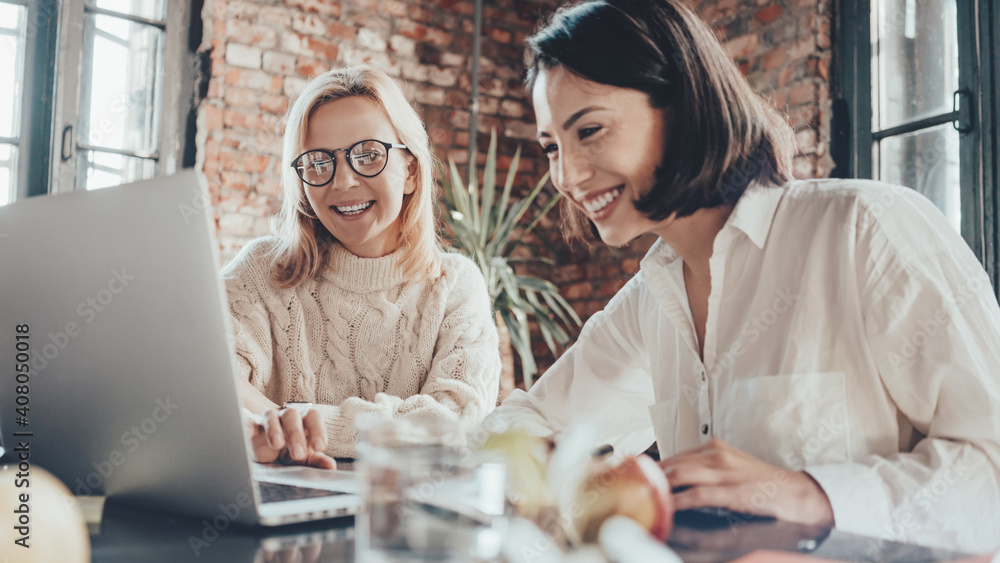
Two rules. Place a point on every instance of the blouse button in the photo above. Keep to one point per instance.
(704, 429)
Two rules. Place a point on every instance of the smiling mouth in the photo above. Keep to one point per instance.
(595, 205)
(353, 209)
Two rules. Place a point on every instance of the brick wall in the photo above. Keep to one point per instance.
(263, 53)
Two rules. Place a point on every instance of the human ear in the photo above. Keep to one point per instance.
(410, 184)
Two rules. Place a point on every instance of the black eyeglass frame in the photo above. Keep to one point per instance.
(333, 157)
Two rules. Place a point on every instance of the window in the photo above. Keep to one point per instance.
(90, 92)
(13, 28)
(919, 105)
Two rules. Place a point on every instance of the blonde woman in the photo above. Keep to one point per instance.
(352, 305)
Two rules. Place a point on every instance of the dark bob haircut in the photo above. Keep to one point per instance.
(724, 135)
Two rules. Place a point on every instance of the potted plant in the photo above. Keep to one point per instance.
(487, 229)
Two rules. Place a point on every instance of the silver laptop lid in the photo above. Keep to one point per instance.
(131, 389)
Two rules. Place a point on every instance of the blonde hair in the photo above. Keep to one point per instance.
(304, 241)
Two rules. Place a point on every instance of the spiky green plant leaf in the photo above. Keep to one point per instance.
(487, 230)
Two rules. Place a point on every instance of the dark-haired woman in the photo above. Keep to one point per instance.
(822, 351)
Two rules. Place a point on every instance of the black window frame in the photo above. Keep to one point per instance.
(979, 73)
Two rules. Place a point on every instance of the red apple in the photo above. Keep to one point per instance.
(637, 489)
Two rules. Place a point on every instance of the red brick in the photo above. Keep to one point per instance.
(630, 266)
(595, 306)
(395, 8)
(279, 17)
(768, 14)
(804, 167)
(233, 160)
(239, 181)
(778, 99)
(337, 30)
(806, 140)
(802, 93)
(440, 136)
(420, 14)
(211, 117)
(268, 142)
(458, 6)
(823, 68)
(571, 272)
(500, 35)
(310, 46)
(309, 24)
(268, 185)
(438, 37)
(741, 47)
(802, 49)
(804, 116)
(252, 34)
(773, 59)
(785, 76)
(248, 119)
(274, 103)
(278, 63)
(253, 79)
(609, 288)
(325, 7)
(241, 97)
(311, 67)
(412, 30)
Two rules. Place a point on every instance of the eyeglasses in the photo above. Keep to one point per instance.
(367, 158)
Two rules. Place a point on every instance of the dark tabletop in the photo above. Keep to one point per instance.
(128, 534)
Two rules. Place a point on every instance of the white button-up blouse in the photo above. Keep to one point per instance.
(851, 333)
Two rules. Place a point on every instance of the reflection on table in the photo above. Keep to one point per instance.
(128, 534)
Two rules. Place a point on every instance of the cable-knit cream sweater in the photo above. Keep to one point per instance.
(359, 338)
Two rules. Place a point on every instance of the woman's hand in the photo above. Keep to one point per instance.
(717, 474)
(285, 432)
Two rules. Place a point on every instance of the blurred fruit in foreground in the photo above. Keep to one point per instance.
(564, 487)
(637, 489)
(526, 457)
(49, 523)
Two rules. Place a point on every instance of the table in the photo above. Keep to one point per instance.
(128, 534)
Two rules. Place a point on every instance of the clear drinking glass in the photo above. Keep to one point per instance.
(427, 495)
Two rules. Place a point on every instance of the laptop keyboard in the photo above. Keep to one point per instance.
(277, 492)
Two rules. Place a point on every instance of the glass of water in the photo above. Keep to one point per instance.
(428, 496)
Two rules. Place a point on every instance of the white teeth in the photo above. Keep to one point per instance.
(600, 202)
(354, 209)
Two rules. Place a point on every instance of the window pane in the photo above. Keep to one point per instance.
(10, 16)
(149, 9)
(915, 59)
(11, 68)
(121, 84)
(8, 172)
(103, 170)
(928, 162)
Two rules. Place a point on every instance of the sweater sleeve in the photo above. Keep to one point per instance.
(251, 325)
(463, 380)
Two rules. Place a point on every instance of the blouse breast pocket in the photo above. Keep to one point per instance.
(789, 420)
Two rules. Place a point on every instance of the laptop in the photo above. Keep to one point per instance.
(111, 302)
